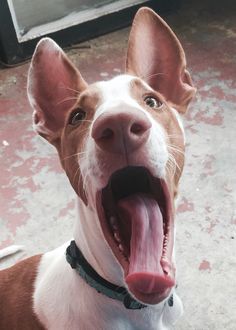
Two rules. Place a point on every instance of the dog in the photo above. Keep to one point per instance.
(121, 144)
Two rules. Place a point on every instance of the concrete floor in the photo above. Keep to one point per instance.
(37, 203)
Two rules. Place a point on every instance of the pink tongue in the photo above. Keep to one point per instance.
(145, 272)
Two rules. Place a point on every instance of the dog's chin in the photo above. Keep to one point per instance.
(135, 213)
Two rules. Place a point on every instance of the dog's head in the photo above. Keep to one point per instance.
(121, 144)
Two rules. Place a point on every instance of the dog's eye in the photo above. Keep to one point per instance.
(76, 117)
(152, 102)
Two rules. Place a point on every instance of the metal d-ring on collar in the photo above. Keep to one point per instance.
(77, 261)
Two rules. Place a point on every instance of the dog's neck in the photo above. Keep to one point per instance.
(90, 240)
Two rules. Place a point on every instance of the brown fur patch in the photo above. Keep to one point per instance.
(16, 292)
(74, 138)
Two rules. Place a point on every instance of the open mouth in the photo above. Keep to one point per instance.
(136, 218)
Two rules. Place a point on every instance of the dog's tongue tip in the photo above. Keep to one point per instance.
(147, 282)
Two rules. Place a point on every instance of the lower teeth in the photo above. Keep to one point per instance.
(113, 224)
(121, 248)
(117, 237)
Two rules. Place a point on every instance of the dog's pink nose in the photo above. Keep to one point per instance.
(121, 131)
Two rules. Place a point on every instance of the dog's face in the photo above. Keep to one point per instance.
(121, 144)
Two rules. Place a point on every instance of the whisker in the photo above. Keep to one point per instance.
(76, 154)
(79, 180)
(171, 165)
(70, 89)
(67, 99)
(76, 173)
(174, 135)
(153, 75)
(169, 169)
(84, 130)
(85, 181)
(174, 161)
(89, 121)
(175, 149)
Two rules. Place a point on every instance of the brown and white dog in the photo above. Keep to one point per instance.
(121, 144)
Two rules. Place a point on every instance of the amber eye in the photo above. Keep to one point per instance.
(76, 117)
(152, 102)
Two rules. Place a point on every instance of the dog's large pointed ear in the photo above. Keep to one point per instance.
(156, 55)
(53, 87)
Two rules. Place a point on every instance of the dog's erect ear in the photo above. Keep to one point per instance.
(156, 55)
(53, 87)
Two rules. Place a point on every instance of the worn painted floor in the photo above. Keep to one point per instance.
(37, 203)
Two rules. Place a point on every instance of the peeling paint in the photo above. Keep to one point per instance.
(185, 206)
(205, 265)
(212, 225)
(233, 221)
(216, 119)
(63, 212)
(191, 129)
(6, 242)
(17, 220)
(227, 187)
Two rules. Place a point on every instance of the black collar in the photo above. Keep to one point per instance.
(77, 261)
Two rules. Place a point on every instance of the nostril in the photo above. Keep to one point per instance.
(107, 133)
(137, 129)
(120, 131)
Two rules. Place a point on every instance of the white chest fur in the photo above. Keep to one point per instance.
(63, 300)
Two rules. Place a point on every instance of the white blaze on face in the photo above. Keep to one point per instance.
(115, 92)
